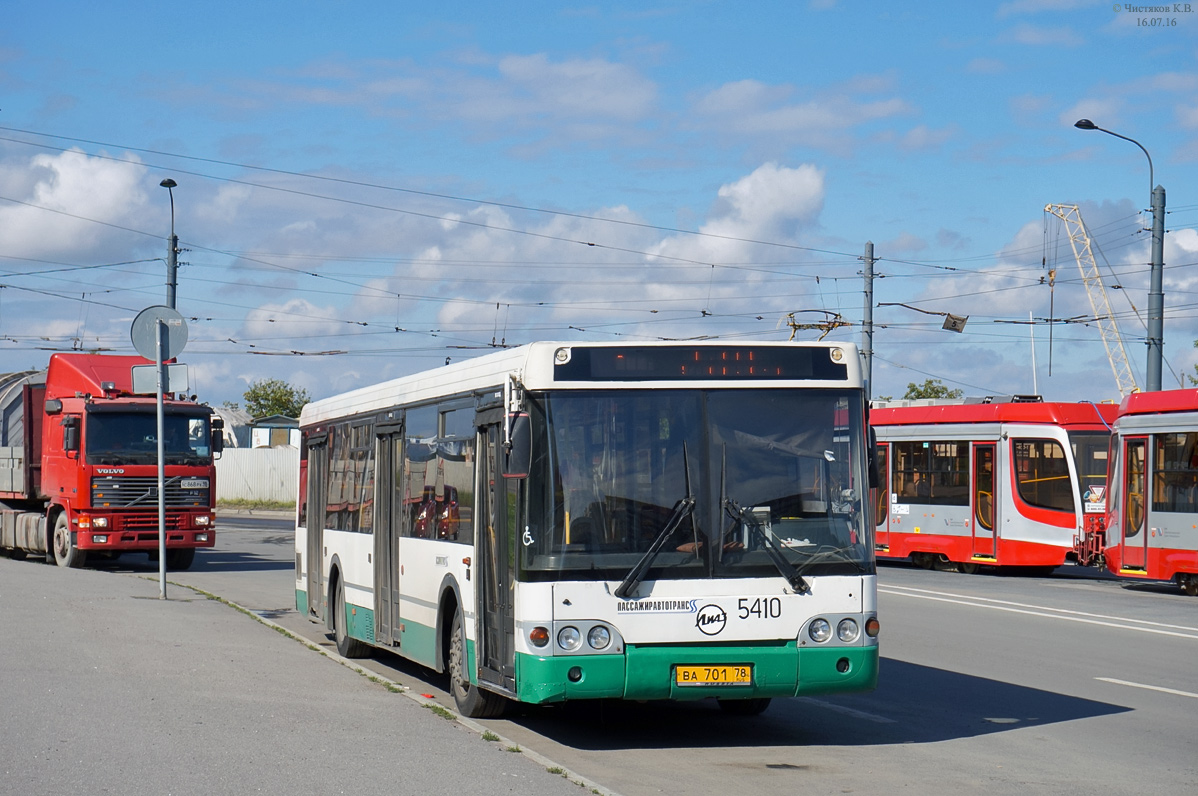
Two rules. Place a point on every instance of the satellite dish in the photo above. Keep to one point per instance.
(145, 333)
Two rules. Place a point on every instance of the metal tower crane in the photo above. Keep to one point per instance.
(1107, 327)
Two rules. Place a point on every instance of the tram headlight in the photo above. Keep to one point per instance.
(819, 630)
(599, 637)
(847, 630)
(569, 639)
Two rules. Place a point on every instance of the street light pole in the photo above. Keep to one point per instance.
(172, 262)
(1156, 291)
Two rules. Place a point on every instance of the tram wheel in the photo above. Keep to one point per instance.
(967, 567)
(924, 560)
(1190, 586)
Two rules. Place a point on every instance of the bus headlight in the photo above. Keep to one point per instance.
(568, 638)
(599, 637)
(819, 630)
(847, 630)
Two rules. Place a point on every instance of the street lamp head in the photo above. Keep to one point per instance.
(1085, 124)
(169, 183)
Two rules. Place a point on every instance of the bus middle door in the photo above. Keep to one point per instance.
(498, 532)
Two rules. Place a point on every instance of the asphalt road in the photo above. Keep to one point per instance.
(1073, 684)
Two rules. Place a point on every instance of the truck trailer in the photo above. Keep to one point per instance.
(79, 464)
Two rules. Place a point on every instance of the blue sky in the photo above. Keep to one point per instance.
(365, 189)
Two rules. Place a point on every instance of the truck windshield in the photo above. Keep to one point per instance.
(611, 466)
(132, 438)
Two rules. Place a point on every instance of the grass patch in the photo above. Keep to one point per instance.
(440, 711)
(515, 748)
(557, 770)
(489, 736)
(260, 505)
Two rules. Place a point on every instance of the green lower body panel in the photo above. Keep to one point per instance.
(301, 602)
(648, 672)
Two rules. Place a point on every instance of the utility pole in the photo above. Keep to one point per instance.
(867, 322)
(1156, 292)
(172, 252)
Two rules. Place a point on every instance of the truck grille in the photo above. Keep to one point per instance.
(138, 492)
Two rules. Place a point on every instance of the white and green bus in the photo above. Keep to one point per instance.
(567, 521)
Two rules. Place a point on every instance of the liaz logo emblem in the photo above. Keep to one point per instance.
(711, 620)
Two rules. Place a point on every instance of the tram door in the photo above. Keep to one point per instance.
(984, 499)
(1134, 543)
(498, 535)
(388, 527)
(882, 498)
(318, 474)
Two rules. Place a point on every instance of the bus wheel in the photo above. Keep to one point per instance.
(744, 707)
(471, 700)
(346, 645)
(967, 567)
(180, 558)
(65, 553)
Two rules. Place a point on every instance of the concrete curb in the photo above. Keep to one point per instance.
(420, 699)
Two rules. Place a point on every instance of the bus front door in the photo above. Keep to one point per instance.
(1133, 545)
(984, 500)
(498, 536)
(388, 513)
(318, 473)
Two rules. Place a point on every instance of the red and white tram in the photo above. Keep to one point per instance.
(1007, 482)
(1152, 506)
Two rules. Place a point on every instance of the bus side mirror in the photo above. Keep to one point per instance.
(70, 434)
(517, 460)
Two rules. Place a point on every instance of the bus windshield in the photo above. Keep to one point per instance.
(132, 438)
(741, 483)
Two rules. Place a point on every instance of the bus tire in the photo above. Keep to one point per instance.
(347, 646)
(65, 552)
(744, 707)
(180, 558)
(471, 700)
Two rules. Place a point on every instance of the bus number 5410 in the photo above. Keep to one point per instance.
(761, 607)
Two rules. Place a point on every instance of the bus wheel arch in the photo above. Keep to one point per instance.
(336, 617)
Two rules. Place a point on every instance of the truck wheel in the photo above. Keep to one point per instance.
(180, 558)
(471, 700)
(346, 645)
(65, 552)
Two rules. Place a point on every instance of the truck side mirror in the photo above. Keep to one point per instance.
(218, 435)
(517, 458)
(70, 434)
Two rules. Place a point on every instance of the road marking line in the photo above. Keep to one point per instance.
(1163, 690)
(1048, 613)
(1042, 608)
(857, 714)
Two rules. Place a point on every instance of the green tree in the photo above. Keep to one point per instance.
(274, 397)
(931, 388)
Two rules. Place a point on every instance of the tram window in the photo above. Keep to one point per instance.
(1175, 472)
(1042, 474)
(931, 472)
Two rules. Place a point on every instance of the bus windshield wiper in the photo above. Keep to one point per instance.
(682, 509)
(788, 570)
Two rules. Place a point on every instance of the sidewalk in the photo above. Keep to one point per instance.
(108, 689)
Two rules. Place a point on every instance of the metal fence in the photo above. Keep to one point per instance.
(258, 474)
